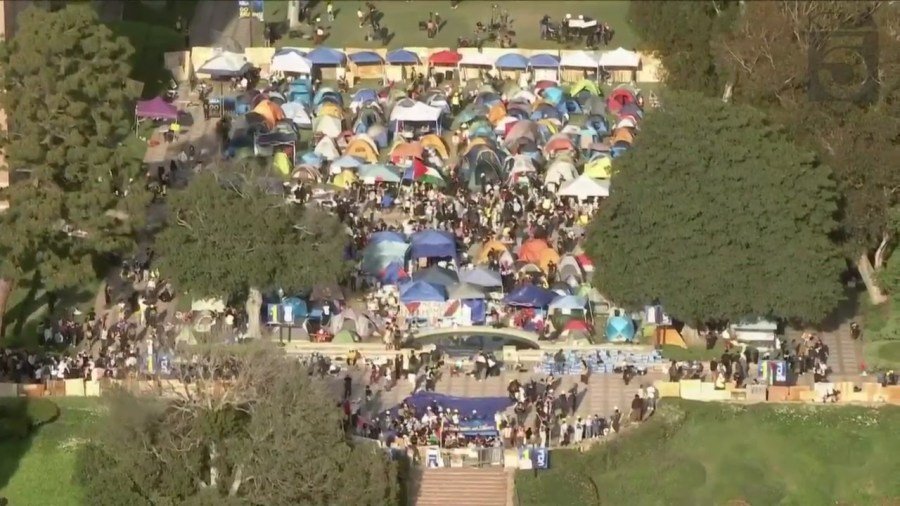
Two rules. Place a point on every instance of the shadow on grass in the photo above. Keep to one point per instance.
(20, 421)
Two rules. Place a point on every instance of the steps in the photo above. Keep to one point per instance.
(469, 486)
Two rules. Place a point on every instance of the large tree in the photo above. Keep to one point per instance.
(272, 437)
(718, 216)
(227, 235)
(73, 202)
(769, 55)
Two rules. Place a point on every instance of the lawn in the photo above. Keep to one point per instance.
(403, 24)
(39, 470)
(709, 453)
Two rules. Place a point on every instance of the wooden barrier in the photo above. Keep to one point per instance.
(33, 390)
(691, 389)
(668, 388)
(92, 389)
(778, 394)
(56, 388)
(9, 390)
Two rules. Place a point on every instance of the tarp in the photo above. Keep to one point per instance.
(543, 61)
(529, 296)
(326, 56)
(416, 112)
(292, 61)
(445, 57)
(155, 108)
(484, 407)
(420, 291)
(512, 61)
(583, 187)
(436, 275)
(481, 276)
(432, 244)
(402, 57)
(225, 64)
(620, 58)
(366, 58)
(569, 302)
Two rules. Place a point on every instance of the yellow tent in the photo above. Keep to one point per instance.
(345, 179)
(497, 112)
(585, 84)
(282, 163)
(269, 110)
(488, 248)
(436, 143)
(330, 109)
(553, 127)
(362, 149)
(599, 168)
(547, 257)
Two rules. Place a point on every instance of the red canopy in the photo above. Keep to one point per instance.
(445, 57)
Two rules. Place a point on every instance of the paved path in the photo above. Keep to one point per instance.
(216, 24)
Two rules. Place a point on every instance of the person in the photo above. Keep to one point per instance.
(616, 419)
(637, 408)
(855, 330)
(329, 9)
(320, 35)
(360, 16)
(348, 386)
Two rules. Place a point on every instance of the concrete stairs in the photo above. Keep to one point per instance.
(468, 486)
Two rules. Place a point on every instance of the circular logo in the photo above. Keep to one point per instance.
(844, 71)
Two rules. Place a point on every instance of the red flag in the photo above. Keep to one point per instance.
(419, 169)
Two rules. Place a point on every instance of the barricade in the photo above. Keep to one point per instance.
(779, 394)
(56, 388)
(691, 389)
(92, 389)
(75, 387)
(668, 389)
(9, 390)
(33, 390)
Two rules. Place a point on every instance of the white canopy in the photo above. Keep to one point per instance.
(416, 112)
(578, 59)
(621, 58)
(290, 60)
(477, 59)
(225, 64)
(583, 187)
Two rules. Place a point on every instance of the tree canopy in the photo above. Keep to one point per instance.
(64, 91)
(273, 438)
(226, 234)
(718, 216)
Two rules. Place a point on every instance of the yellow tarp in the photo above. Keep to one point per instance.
(600, 168)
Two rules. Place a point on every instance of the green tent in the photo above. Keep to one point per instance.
(585, 84)
(343, 337)
(282, 163)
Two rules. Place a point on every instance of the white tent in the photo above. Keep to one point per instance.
(290, 60)
(297, 113)
(559, 171)
(520, 164)
(476, 60)
(579, 60)
(620, 58)
(416, 112)
(327, 149)
(328, 125)
(225, 64)
(583, 187)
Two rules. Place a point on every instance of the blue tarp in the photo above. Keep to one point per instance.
(529, 296)
(366, 58)
(326, 56)
(420, 291)
(543, 61)
(402, 57)
(433, 244)
(512, 61)
(483, 408)
(365, 95)
(478, 309)
(553, 95)
(386, 236)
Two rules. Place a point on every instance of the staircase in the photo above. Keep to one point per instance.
(469, 486)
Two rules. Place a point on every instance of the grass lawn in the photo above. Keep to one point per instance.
(39, 470)
(882, 355)
(401, 19)
(709, 453)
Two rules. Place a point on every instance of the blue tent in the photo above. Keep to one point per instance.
(529, 296)
(420, 291)
(326, 56)
(386, 236)
(512, 61)
(365, 95)
(366, 58)
(393, 274)
(376, 256)
(553, 95)
(297, 305)
(569, 302)
(433, 244)
(619, 329)
(483, 407)
(481, 276)
(543, 61)
(435, 275)
(402, 57)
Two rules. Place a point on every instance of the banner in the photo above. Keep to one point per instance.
(251, 9)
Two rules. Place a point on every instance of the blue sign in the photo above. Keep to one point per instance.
(540, 458)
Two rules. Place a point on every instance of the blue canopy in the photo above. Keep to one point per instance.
(511, 61)
(402, 57)
(326, 56)
(365, 95)
(529, 296)
(366, 57)
(420, 291)
(543, 61)
(481, 276)
(386, 236)
(433, 244)
(483, 408)
(569, 302)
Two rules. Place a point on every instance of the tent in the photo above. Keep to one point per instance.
(403, 150)
(445, 58)
(345, 179)
(377, 256)
(291, 61)
(584, 187)
(270, 111)
(568, 302)
(481, 276)
(363, 148)
(328, 125)
(543, 61)
(547, 257)
(387, 236)
(329, 109)
(619, 98)
(347, 162)
(326, 56)
(402, 57)
(484, 407)
(373, 173)
(432, 244)
(344, 337)
(282, 163)
(585, 85)
(393, 273)
(578, 59)
(327, 149)
(569, 268)
(366, 58)
(326, 292)
(464, 291)
(156, 108)
(434, 142)
(559, 171)
(524, 129)
(557, 143)
(437, 276)
(513, 61)
(295, 112)
(417, 111)
(420, 291)
(489, 247)
(619, 329)
(530, 251)
(529, 296)
(225, 64)
(476, 60)
(620, 58)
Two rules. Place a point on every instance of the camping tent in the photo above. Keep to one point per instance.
(432, 244)
(387, 236)
(559, 171)
(583, 187)
(295, 112)
(420, 291)
(328, 125)
(416, 111)
(568, 302)
(529, 296)
(481, 276)
(465, 291)
(155, 108)
(377, 256)
(620, 58)
(291, 61)
(619, 329)
(327, 149)
(225, 64)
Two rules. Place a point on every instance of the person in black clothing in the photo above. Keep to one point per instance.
(348, 387)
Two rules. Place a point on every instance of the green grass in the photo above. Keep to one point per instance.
(710, 453)
(401, 18)
(882, 355)
(39, 470)
(679, 354)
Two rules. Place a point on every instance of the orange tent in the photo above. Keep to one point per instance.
(489, 247)
(497, 112)
(622, 134)
(436, 143)
(361, 148)
(406, 150)
(547, 257)
(531, 250)
(271, 111)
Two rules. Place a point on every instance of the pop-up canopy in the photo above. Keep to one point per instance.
(291, 60)
(432, 244)
(155, 108)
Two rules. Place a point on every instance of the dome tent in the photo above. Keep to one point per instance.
(620, 329)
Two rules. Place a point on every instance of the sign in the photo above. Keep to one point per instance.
(433, 457)
(273, 314)
(251, 9)
(540, 458)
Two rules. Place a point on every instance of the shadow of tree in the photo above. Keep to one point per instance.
(20, 421)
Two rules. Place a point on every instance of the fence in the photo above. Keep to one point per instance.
(96, 388)
(848, 392)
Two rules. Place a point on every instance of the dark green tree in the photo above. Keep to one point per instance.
(73, 203)
(274, 437)
(718, 216)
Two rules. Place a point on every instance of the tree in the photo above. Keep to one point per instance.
(719, 217)
(226, 236)
(769, 55)
(270, 437)
(69, 111)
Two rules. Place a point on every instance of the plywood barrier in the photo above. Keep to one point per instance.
(795, 392)
(56, 388)
(147, 387)
(92, 388)
(779, 394)
(33, 390)
(75, 387)
(892, 394)
(691, 389)
(808, 396)
(756, 393)
(668, 388)
(9, 390)
(856, 396)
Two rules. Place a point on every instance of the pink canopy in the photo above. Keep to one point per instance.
(155, 108)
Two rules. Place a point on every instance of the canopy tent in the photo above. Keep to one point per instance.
(417, 111)
(225, 64)
(432, 244)
(291, 61)
(579, 60)
(366, 58)
(476, 60)
(437, 276)
(584, 187)
(446, 57)
(156, 108)
(420, 291)
(481, 276)
(485, 407)
(402, 57)
(377, 256)
(620, 58)
(568, 302)
(326, 56)
(513, 61)
(543, 61)
(529, 296)
(465, 291)
(387, 236)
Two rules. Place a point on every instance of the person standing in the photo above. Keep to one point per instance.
(329, 10)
